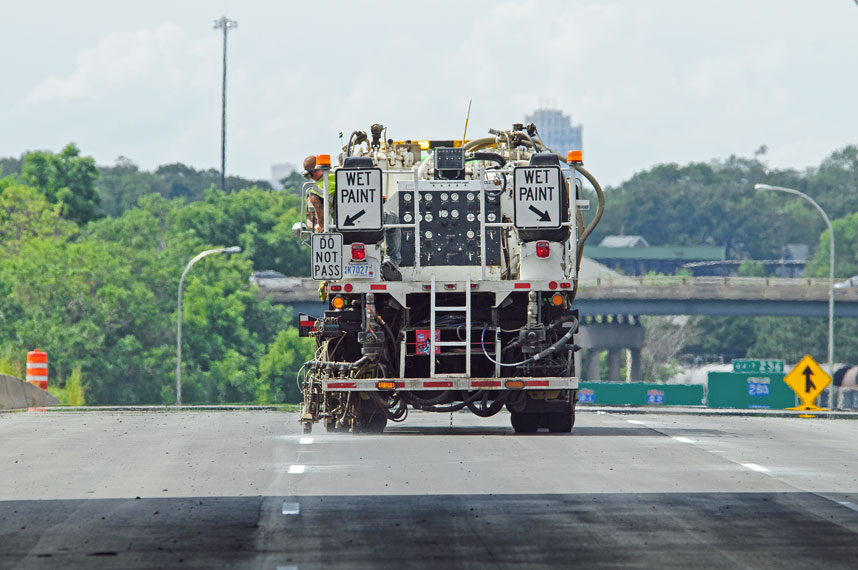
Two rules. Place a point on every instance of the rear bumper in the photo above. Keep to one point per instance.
(452, 383)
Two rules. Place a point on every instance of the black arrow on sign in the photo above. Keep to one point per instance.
(543, 216)
(350, 220)
(809, 385)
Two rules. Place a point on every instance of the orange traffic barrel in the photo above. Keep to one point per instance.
(37, 368)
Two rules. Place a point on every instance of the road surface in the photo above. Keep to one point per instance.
(245, 489)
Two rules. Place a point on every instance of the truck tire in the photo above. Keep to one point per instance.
(561, 422)
(374, 422)
(524, 423)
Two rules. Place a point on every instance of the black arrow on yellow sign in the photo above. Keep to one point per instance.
(808, 374)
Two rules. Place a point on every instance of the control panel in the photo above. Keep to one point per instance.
(449, 229)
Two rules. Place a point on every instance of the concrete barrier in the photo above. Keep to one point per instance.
(15, 393)
(640, 394)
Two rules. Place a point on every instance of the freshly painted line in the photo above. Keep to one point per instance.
(683, 439)
(305, 440)
(755, 467)
(291, 508)
(296, 469)
(636, 422)
(849, 505)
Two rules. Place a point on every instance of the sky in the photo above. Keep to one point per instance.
(651, 82)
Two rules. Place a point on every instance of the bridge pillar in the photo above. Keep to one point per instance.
(594, 365)
(635, 372)
(614, 365)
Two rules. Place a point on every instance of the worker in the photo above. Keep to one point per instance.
(315, 206)
(316, 218)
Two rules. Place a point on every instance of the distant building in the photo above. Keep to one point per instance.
(623, 241)
(279, 172)
(641, 260)
(556, 130)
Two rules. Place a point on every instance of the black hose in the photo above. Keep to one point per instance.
(485, 411)
(439, 399)
(488, 156)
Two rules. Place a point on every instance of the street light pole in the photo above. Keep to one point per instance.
(226, 24)
(199, 256)
(830, 267)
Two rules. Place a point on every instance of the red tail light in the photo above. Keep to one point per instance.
(542, 249)
(358, 252)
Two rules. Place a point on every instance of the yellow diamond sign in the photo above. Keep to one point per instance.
(807, 380)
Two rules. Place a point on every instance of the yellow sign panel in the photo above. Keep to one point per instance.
(807, 380)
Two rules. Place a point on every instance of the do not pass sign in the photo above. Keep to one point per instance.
(359, 199)
(327, 254)
(537, 196)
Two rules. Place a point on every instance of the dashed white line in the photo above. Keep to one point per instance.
(636, 422)
(683, 439)
(755, 467)
(305, 440)
(296, 469)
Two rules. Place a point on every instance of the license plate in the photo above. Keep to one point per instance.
(358, 270)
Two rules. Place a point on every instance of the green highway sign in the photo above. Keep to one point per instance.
(765, 365)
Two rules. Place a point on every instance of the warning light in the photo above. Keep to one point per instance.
(358, 252)
(552, 285)
(385, 385)
(323, 160)
(338, 302)
(424, 145)
(348, 287)
(565, 285)
(557, 299)
(542, 249)
(514, 384)
(335, 288)
(575, 156)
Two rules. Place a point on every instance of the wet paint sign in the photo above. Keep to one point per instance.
(537, 192)
(327, 260)
(359, 199)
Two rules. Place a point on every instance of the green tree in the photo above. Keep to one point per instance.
(67, 179)
(26, 214)
(122, 185)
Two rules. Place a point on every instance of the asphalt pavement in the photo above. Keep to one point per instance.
(245, 489)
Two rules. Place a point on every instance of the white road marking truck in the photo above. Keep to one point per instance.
(480, 314)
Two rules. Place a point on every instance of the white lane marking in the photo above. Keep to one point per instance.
(755, 467)
(296, 468)
(849, 505)
(305, 440)
(636, 422)
(291, 508)
(683, 439)
(287, 568)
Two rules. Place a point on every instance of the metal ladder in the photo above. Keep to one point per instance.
(433, 309)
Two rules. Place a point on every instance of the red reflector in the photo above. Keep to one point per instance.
(430, 384)
(358, 252)
(565, 285)
(348, 287)
(449, 286)
(521, 285)
(552, 285)
(378, 287)
(336, 287)
(427, 287)
(542, 249)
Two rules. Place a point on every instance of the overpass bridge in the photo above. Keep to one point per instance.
(610, 307)
(655, 295)
(746, 296)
